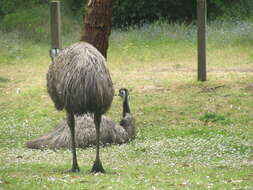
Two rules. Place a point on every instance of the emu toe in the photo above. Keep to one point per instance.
(73, 170)
(97, 167)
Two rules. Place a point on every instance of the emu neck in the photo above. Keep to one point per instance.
(126, 108)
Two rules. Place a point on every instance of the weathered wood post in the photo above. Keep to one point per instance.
(55, 14)
(201, 21)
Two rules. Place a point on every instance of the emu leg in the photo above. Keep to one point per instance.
(71, 124)
(97, 166)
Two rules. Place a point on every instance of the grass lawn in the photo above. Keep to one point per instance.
(190, 135)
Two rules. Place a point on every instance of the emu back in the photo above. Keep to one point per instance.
(78, 80)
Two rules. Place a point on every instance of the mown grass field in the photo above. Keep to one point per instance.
(191, 135)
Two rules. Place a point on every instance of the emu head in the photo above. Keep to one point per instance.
(53, 53)
(123, 92)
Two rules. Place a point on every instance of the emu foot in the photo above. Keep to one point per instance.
(97, 167)
(73, 170)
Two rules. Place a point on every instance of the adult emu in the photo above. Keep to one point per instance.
(78, 81)
(110, 131)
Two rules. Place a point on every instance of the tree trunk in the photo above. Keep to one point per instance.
(97, 24)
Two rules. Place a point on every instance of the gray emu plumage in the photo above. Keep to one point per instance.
(78, 81)
(110, 132)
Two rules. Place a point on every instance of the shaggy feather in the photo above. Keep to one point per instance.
(111, 133)
(85, 133)
(79, 81)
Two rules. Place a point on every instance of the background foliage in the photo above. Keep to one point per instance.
(30, 18)
(138, 11)
(130, 12)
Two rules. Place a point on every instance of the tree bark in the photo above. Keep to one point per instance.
(97, 24)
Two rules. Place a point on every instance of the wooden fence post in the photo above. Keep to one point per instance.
(201, 21)
(55, 14)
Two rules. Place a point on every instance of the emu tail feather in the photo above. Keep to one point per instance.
(59, 137)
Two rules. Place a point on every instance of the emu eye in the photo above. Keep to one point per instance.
(122, 93)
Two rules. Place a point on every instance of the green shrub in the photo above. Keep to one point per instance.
(34, 24)
(30, 18)
(214, 117)
(230, 9)
(74, 7)
(10, 6)
(130, 12)
(28, 23)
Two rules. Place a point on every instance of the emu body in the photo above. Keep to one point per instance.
(78, 81)
(110, 132)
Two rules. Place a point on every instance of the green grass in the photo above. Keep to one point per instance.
(190, 135)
